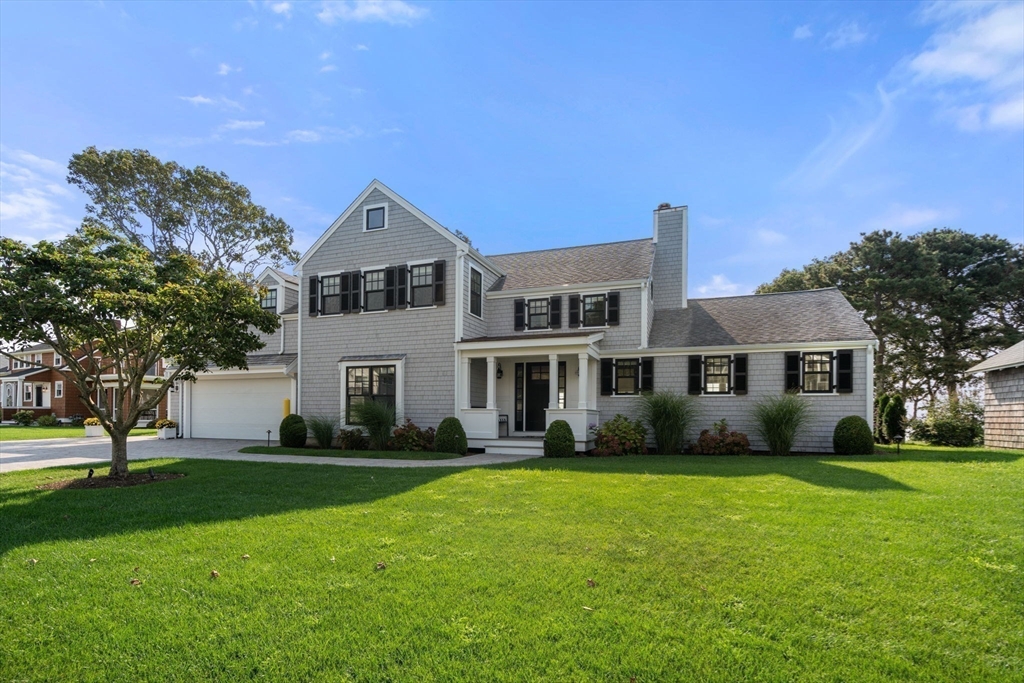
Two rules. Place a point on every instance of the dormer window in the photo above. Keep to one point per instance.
(268, 301)
(376, 218)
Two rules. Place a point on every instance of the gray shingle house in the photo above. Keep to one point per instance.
(1004, 397)
(388, 305)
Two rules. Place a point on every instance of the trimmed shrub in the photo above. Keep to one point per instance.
(292, 432)
(959, 424)
(669, 415)
(151, 424)
(352, 440)
(47, 421)
(779, 420)
(323, 428)
(409, 437)
(559, 441)
(852, 436)
(894, 417)
(881, 403)
(23, 417)
(378, 419)
(620, 436)
(91, 422)
(451, 437)
(721, 441)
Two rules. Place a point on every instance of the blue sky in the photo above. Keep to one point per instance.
(787, 128)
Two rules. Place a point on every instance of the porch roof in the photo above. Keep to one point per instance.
(525, 337)
(536, 343)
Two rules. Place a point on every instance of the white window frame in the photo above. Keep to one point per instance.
(399, 387)
(38, 359)
(28, 394)
(58, 389)
(370, 207)
(473, 269)
(57, 360)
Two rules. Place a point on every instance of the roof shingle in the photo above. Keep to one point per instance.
(1007, 358)
(611, 262)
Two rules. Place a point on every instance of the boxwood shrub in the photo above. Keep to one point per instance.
(292, 432)
(559, 441)
(451, 437)
(852, 436)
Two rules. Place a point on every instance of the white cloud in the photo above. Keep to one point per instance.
(770, 237)
(35, 199)
(256, 143)
(974, 63)
(848, 33)
(389, 11)
(719, 285)
(802, 32)
(235, 124)
(248, 90)
(303, 136)
(224, 102)
(361, 48)
(197, 99)
(225, 69)
(899, 217)
(284, 8)
(325, 55)
(327, 68)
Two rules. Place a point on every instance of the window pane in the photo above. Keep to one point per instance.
(269, 301)
(716, 375)
(330, 294)
(475, 292)
(375, 219)
(374, 288)
(422, 275)
(538, 313)
(625, 376)
(593, 311)
(817, 372)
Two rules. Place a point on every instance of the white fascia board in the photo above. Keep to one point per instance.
(289, 316)
(529, 343)
(264, 370)
(401, 201)
(743, 348)
(591, 288)
(277, 278)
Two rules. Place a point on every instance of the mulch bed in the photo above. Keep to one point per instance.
(104, 482)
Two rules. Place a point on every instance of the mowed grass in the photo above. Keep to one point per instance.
(13, 433)
(341, 453)
(705, 568)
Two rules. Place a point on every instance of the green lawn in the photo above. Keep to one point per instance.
(12, 433)
(706, 568)
(339, 453)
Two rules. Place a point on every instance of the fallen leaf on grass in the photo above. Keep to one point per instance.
(33, 561)
(136, 570)
(214, 574)
(589, 609)
(332, 558)
(381, 565)
(591, 583)
(92, 560)
(245, 557)
(136, 582)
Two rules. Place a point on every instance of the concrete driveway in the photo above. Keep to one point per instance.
(31, 455)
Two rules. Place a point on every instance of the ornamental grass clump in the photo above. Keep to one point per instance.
(559, 441)
(292, 432)
(669, 416)
(779, 420)
(451, 437)
(378, 419)
(323, 428)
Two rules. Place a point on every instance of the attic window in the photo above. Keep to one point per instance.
(376, 218)
(269, 300)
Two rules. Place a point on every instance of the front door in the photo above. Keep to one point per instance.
(39, 396)
(537, 385)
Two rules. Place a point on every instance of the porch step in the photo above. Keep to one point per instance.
(513, 446)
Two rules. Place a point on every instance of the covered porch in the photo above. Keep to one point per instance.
(511, 389)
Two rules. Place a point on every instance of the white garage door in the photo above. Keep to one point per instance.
(238, 408)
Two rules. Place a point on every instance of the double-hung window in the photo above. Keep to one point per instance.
(330, 294)
(57, 360)
(627, 376)
(422, 280)
(594, 310)
(58, 389)
(476, 293)
(28, 392)
(373, 383)
(716, 375)
(537, 318)
(268, 301)
(373, 291)
(817, 373)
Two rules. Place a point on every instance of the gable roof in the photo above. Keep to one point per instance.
(819, 315)
(1007, 358)
(592, 263)
(405, 204)
(282, 277)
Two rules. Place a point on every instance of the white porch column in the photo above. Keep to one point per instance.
(492, 388)
(594, 382)
(582, 389)
(464, 384)
(553, 381)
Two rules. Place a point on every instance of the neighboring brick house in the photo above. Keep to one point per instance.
(33, 381)
(388, 305)
(1004, 397)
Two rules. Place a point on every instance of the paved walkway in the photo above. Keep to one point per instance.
(30, 455)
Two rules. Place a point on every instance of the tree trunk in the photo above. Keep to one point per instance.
(118, 455)
(951, 391)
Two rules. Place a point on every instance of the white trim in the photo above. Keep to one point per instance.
(869, 373)
(460, 301)
(297, 407)
(743, 348)
(370, 207)
(273, 273)
(644, 313)
(398, 363)
(423, 262)
(554, 290)
(398, 199)
(483, 297)
(363, 271)
(58, 389)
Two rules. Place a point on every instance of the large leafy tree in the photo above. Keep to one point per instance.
(166, 208)
(939, 301)
(112, 308)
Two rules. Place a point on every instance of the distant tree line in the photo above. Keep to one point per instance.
(939, 302)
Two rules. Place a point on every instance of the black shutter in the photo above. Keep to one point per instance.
(607, 377)
(314, 298)
(739, 374)
(792, 371)
(613, 308)
(344, 289)
(403, 292)
(390, 284)
(646, 374)
(844, 372)
(356, 283)
(439, 283)
(555, 312)
(695, 375)
(574, 310)
(520, 314)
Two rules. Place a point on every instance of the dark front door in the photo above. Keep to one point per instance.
(39, 396)
(537, 385)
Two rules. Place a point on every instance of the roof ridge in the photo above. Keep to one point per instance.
(745, 296)
(577, 246)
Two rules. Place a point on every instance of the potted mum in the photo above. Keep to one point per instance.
(93, 427)
(166, 429)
